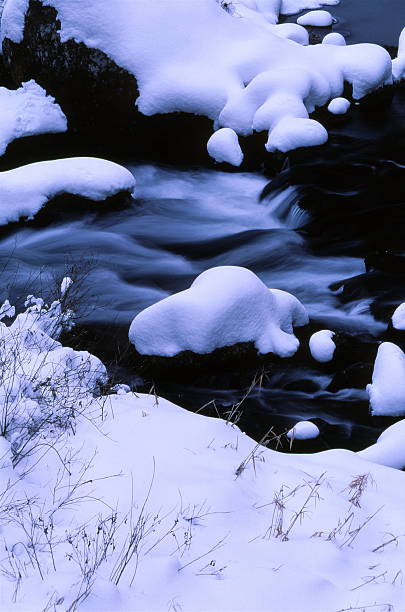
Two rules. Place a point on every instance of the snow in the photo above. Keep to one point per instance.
(303, 430)
(292, 133)
(224, 306)
(24, 190)
(28, 111)
(387, 390)
(290, 7)
(334, 38)
(102, 494)
(398, 318)
(321, 345)
(223, 146)
(389, 450)
(338, 106)
(238, 71)
(398, 64)
(316, 18)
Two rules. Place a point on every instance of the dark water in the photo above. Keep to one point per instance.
(305, 231)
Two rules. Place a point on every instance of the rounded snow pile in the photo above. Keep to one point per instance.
(387, 390)
(321, 345)
(320, 19)
(24, 190)
(223, 307)
(303, 430)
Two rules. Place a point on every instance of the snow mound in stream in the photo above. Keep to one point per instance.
(28, 111)
(223, 307)
(24, 190)
(387, 390)
(197, 58)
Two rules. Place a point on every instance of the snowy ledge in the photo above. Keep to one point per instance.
(238, 68)
(25, 190)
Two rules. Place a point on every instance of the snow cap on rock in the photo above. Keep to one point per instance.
(387, 390)
(223, 307)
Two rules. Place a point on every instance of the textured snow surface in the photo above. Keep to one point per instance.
(128, 502)
(237, 70)
(387, 390)
(398, 318)
(24, 190)
(321, 345)
(303, 430)
(26, 112)
(316, 18)
(338, 106)
(223, 306)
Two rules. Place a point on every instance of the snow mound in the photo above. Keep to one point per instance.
(237, 70)
(321, 345)
(387, 390)
(338, 106)
(398, 318)
(223, 307)
(398, 64)
(24, 190)
(316, 18)
(28, 111)
(303, 430)
(292, 133)
(389, 450)
(334, 38)
(223, 146)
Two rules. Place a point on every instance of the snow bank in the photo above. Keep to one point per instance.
(303, 430)
(224, 306)
(321, 345)
(316, 18)
(208, 512)
(389, 449)
(398, 318)
(387, 390)
(24, 190)
(197, 58)
(338, 106)
(28, 111)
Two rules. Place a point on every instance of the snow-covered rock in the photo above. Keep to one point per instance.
(334, 38)
(224, 306)
(209, 62)
(389, 450)
(316, 18)
(223, 146)
(338, 106)
(24, 190)
(398, 64)
(398, 318)
(387, 390)
(321, 345)
(303, 430)
(28, 111)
